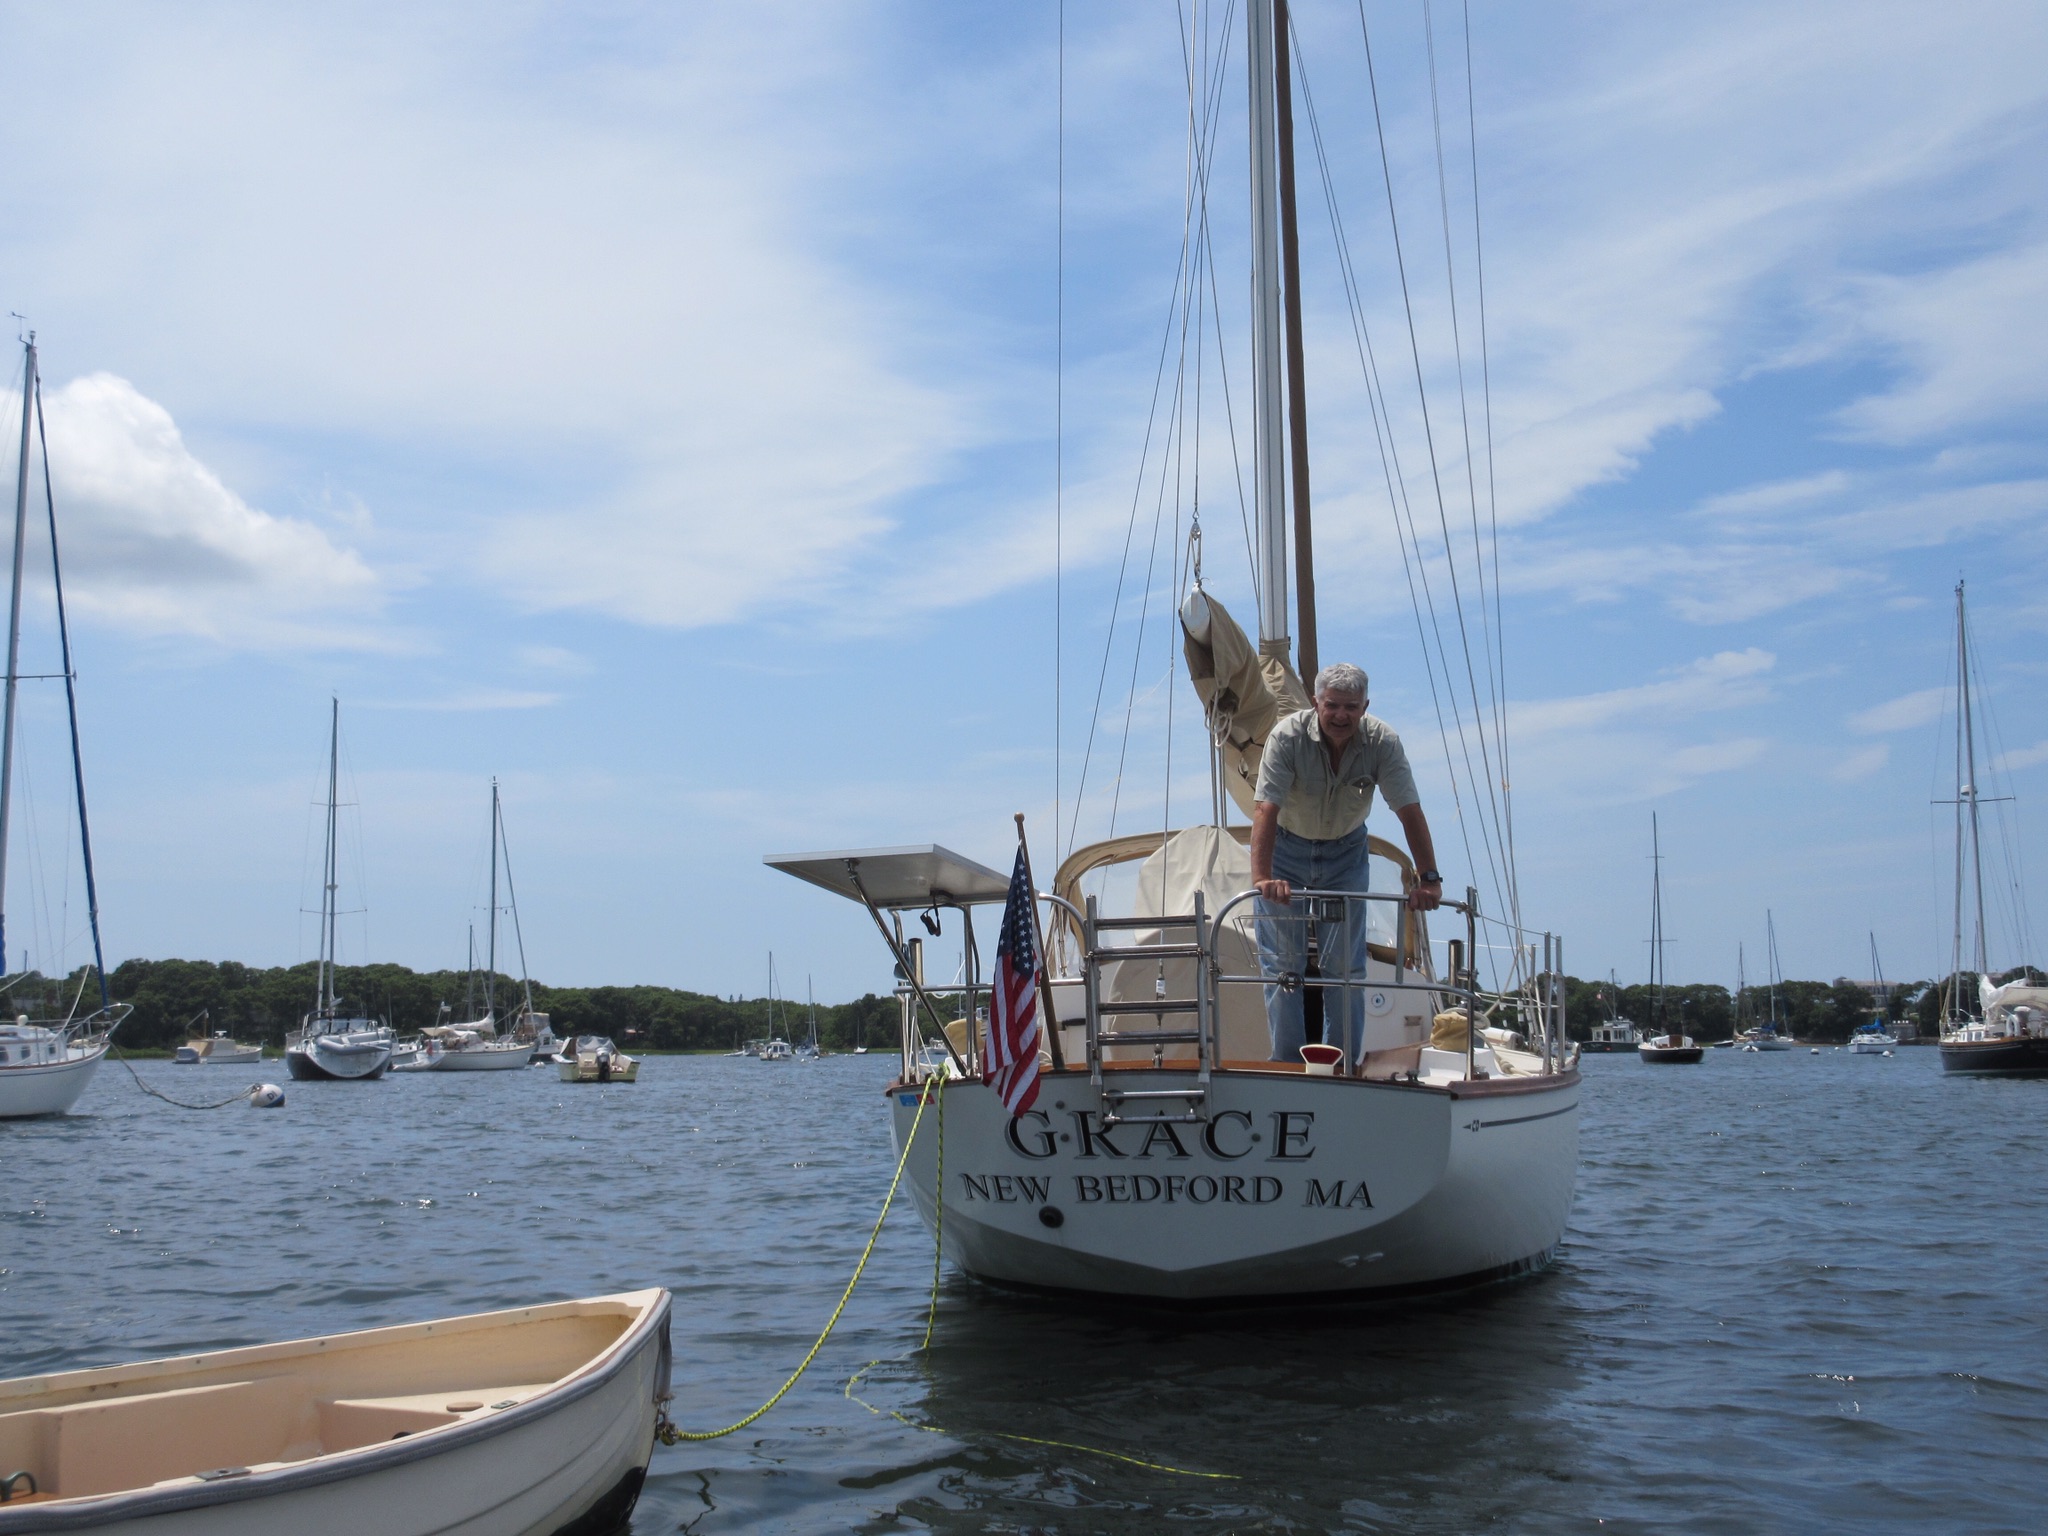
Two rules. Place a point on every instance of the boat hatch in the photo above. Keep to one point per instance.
(904, 879)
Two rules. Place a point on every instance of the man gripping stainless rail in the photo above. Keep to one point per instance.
(1316, 781)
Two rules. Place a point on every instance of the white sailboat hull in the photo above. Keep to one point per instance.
(47, 1088)
(509, 1055)
(338, 1057)
(1297, 1186)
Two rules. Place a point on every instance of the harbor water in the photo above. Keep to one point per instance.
(1799, 1293)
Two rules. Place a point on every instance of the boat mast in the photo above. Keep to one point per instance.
(512, 901)
(1657, 923)
(1966, 792)
(1297, 392)
(28, 382)
(491, 953)
(1269, 471)
(326, 1001)
(1771, 942)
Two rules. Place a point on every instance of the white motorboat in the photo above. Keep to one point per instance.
(45, 1064)
(535, 1031)
(218, 1049)
(594, 1059)
(777, 1049)
(1873, 1039)
(415, 1053)
(330, 1043)
(530, 1422)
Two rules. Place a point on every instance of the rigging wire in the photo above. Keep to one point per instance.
(1422, 597)
(1183, 277)
(1059, 423)
(1492, 495)
(1486, 636)
(1428, 428)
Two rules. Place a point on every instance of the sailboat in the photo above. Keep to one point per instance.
(2007, 1034)
(46, 1063)
(1668, 1046)
(810, 1050)
(776, 1047)
(1165, 1156)
(331, 1043)
(1771, 1034)
(1875, 1038)
(474, 1044)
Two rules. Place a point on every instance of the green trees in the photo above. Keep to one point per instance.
(260, 1005)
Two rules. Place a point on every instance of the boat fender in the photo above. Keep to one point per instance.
(266, 1096)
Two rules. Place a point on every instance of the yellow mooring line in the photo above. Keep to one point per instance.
(668, 1434)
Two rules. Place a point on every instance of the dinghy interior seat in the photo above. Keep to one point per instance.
(166, 1422)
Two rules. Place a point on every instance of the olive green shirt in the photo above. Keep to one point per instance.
(1294, 774)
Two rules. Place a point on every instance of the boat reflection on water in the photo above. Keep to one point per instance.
(1319, 1418)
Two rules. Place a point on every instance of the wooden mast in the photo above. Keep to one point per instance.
(1297, 398)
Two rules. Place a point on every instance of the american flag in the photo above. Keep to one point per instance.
(1011, 1063)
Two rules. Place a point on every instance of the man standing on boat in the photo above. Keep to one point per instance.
(1316, 782)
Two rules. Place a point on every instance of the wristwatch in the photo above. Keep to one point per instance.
(1430, 877)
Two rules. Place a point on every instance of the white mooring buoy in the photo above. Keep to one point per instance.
(266, 1096)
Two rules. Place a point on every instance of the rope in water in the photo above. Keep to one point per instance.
(668, 1434)
(236, 1098)
(931, 1317)
(933, 1090)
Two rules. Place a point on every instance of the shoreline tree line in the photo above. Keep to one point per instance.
(258, 1004)
(174, 998)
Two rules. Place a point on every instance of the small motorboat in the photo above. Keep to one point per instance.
(219, 1049)
(536, 1420)
(1672, 1049)
(415, 1053)
(594, 1059)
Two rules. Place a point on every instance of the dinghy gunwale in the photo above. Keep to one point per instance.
(648, 1311)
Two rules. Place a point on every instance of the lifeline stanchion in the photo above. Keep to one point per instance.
(668, 1434)
(238, 1098)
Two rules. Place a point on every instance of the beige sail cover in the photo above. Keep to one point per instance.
(1244, 691)
(1999, 1002)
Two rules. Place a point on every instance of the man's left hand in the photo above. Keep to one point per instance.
(1426, 896)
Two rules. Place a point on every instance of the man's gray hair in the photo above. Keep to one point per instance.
(1341, 677)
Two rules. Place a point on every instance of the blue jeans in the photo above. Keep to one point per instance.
(1338, 864)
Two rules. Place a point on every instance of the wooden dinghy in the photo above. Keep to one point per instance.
(538, 1420)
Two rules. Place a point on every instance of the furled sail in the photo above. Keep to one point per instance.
(1245, 691)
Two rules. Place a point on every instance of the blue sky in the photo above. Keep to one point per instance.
(654, 406)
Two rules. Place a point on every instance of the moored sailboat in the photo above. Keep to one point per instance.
(45, 1064)
(331, 1043)
(2007, 1034)
(1163, 1154)
(1665, 1044)
(474, 1044)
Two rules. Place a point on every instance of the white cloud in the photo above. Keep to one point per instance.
(1726, 680)
(155, 542)
(1905, 713)
(1861, 763)
(1972, 338)
(2023, 757)
(481, 699)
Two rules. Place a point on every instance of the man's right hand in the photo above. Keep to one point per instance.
(1274, 890)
